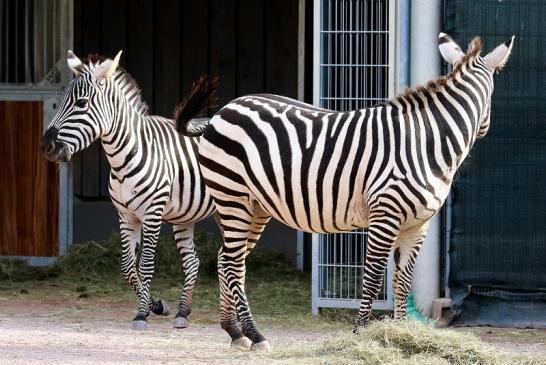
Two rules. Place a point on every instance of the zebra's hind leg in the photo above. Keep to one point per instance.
(405, 255)
(183, 234)
(383, 231)
(256, 230)
(241, 230)
(228, 312)
(229, 319)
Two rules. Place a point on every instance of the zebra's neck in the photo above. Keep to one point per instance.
(122, 142)
(442, 119)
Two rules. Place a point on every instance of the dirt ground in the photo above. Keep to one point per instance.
(36, 328)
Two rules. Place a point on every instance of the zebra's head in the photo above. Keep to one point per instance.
(480, 68)
(85, 113)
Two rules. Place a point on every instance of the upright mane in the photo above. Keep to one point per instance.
(474, 49)
(124, 79)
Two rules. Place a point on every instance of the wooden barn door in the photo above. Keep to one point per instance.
(29, 184)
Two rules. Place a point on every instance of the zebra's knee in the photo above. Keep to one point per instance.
(126, 273)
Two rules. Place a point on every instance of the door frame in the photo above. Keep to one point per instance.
(50, 100)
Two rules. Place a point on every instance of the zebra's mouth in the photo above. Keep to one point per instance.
(54, 150)
(61, 154)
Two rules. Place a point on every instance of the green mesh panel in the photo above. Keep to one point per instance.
(499, 211)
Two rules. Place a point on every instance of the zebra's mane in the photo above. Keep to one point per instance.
(474, 49)
(126, 82)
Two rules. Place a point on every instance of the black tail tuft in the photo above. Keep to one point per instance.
(202, 95)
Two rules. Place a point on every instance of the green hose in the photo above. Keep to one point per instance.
(414, 314)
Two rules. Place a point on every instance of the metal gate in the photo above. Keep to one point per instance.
(353, 69)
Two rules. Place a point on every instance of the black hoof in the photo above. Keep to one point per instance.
(140, 323)
(160, 308)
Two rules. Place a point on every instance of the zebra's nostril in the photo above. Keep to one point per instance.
(48, 140)
(50, 147)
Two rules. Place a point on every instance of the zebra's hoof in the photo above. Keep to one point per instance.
(180, 322)
(260, 346)
(140, 325)
(160, 307)
(242, 343)
(166, 311)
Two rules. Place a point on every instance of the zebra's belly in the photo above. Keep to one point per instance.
(312, 217)
(131, 200)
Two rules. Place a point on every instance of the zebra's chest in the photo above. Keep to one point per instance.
(132, 195)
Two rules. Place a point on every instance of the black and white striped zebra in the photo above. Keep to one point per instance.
(388, 168)
(154, 171)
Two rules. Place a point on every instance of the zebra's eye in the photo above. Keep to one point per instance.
(81, 103)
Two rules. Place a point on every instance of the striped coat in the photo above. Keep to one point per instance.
(154, 175)
(388, 168)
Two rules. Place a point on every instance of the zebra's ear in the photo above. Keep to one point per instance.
(496, 59)
(74, 63)
(107, 68)
(451, 52)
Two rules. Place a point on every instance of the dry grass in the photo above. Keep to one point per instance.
(280, 296)
(408, 342)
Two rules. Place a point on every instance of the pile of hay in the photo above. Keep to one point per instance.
(99, 261)
(406, 342)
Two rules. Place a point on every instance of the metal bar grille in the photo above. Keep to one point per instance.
(341, 264)
(353, 71)
(354, 62)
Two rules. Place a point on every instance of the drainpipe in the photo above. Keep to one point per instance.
(402, 63)
(425, 65)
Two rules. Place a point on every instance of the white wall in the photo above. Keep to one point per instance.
(425, 64)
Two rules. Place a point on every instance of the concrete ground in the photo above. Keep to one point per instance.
(44, 328)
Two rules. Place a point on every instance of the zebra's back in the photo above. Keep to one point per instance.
(297, 161)
(162, 160)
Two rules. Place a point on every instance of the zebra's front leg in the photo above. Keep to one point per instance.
(150, 234)
(382, 234)
(183, 235)
(130, 231)
(405, 255)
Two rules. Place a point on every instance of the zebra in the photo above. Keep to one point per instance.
(387, 168)
(154, 174)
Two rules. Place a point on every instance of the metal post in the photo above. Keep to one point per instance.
(314, 275)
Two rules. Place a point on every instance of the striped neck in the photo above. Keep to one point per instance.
(122, 142)
(444, 116)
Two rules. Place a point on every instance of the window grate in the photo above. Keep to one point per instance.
(34, 37)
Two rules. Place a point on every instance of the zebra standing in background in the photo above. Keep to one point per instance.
(154, 173)
(388, 168)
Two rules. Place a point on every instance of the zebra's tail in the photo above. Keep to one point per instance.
(202, 95)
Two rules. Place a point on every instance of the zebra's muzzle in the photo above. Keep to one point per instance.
(54, 150)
